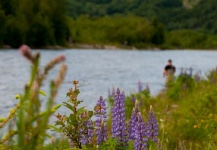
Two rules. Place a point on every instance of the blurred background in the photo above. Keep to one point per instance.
(128, 24)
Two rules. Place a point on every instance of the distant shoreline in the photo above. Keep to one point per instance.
(82, 46)
(104, 47)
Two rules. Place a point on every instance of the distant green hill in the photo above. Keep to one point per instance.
(142, 24)
(174, 14)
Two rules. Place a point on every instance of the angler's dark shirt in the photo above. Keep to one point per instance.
(170, 69)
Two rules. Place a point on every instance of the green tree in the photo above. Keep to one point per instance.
(2, 26)
(158, 35)
(14, 33)
(59, 21)
(40, 32)
(9, 6)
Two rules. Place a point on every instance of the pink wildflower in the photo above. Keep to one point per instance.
(26, 52)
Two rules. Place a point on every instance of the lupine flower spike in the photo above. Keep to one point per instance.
(137, 129)
(152, 127)
(132, 122)
(141, 139)
(87, 132)
(197, 76)
(101, 128)
(139, 86)
(133, 98)
(191, 72)
(119, 129)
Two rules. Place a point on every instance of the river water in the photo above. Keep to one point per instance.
(99, 70)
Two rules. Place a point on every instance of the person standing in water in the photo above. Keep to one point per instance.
(169, 71)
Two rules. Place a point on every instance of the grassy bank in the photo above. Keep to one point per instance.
(186, 112)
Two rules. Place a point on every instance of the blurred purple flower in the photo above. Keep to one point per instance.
(101, 128)
(152, 127)
(119, 129)
(132, 124)
(140, 142)
(197, 77)
(102, 135)
(133, 98)
(86, 136)
(139, 86)
(137, 129)
(185, 86)
(191, 72)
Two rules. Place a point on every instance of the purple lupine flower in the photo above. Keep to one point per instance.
(133, 98)
(147, 88)
(119, 129)
(132, 124)
(152, 127)
(191, 72)
(185, 86)
(140, 142)
(87, 133)
(101, 132)
(139, 86)
(197, 77)
(101, 128)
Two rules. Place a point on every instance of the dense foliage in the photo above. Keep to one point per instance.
(174, 14)
(37, 23)
(121, 31)
(187, 23)
(122, 23)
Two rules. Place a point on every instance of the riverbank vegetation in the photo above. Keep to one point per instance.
(182, 116)
(126, 24)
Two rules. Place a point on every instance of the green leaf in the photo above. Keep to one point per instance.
(72, 120)
(96, 108)
(81, 110)
(78, 102)
(58, 123)
(90, 114)
(76, 92)
(55, 128)
(68, 106)
(68, 94)
(42, 93)
(57, 106)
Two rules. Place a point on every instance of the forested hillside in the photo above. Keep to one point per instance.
(36, 22)
(165, 24)
(174, 14)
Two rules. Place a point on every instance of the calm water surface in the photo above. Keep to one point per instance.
(99, 70)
